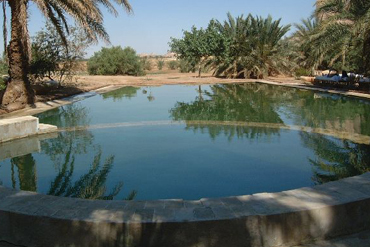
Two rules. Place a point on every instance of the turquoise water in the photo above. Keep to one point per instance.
(192, 142)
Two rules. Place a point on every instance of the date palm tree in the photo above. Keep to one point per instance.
(309, 53)
(344, 31)
(86, 13)
(254, 46)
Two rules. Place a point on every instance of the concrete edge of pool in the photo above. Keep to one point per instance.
(266, 219)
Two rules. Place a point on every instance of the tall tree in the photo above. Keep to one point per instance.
(254, 47)
(194, 47)
(344, 33)
(86, 13)
(308, 52)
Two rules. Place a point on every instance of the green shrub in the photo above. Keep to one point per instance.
(185, 67)
(2, 84)
(173, 65)
(115, 61)
(145, 62)
(3, 72)
(52, 59)
(160, 64)
(3, 67)
(301, 72)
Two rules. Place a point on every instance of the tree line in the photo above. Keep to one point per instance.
(336, 36)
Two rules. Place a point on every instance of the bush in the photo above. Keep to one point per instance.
(3, 67)
(173, 65)
(145, 62)
(160, 64)
(301, 72)
(51, 57)
(115, 61)
(2, 84)
(186, 67)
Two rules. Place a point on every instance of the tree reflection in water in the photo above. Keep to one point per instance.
(63, 152)
(89, 186)
(336, 159)
(27, 174)
(119, 94)
(235, 102)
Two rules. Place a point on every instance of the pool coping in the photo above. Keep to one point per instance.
(318, 89)
(265, 219)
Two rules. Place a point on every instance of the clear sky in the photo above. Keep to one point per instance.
(149, 28)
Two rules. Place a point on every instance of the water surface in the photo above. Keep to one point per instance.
(191, 142)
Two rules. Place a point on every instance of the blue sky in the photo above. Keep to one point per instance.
(149, 29)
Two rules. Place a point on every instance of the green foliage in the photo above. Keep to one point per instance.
(3, 71)
(146, 64)
(2, 84)
(301, 72)
(307, 56)
(172, 65)
(337, 37)
(160, 64)
(194, 47)
(52, 59)
(185, 66)
(253, 48)
(3, 67)
(115, 61)
(239, 47)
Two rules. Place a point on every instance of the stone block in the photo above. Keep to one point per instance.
(164, 215)
(174, 204)
(143, 215)
(204, 213)
(212, 202)
(193, 204)
(46, 128)
(15, 128)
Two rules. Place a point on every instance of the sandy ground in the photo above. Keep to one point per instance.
(151, 80)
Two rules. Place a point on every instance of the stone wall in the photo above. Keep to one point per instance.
(268, 219)
(16, 128)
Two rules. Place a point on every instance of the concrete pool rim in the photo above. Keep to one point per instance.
(265, 219)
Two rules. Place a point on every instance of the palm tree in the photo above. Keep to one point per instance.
(86, 13)
(309, 55)
(253, 47)
(344, 32)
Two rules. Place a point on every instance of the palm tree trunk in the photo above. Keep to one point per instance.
(18, 92)
(5, 30)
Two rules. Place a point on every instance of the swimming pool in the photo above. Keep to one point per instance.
(192, 142)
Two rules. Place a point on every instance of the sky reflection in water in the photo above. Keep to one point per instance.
(197, 157)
